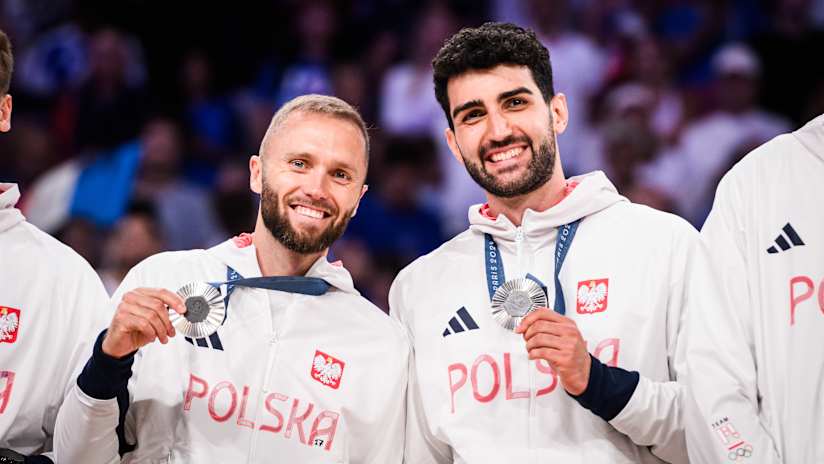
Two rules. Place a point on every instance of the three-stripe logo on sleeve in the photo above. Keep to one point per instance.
(460, 322)
(786, 240)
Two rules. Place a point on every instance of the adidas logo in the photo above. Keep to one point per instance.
(455, 324)
(781, 240)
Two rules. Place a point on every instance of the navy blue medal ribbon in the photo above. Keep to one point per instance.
(495, 275)
(562, 244)
(292, 284)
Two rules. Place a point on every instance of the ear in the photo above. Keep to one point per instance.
(5, 113)
(453, 144)
(560, 113)
(256, 174)
(364, 189)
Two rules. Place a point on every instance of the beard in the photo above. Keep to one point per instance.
(276, 219)
(538, 171)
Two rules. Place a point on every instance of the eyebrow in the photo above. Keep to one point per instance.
(290, 155)
(512, 93)
(503, 96)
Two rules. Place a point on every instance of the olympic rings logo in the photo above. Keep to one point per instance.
(742, 452)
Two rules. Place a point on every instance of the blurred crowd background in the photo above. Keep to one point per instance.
(134, 120)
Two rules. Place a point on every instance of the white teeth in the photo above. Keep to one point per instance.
(312, 213)
(505, 155)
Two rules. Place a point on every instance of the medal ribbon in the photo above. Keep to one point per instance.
(495, 275)
(562, 244)
(292, 284)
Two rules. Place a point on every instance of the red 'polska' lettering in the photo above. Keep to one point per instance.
(7, 378)
(296, 420)
(802, 289)
(613, 343)
(241, 417)
(213, 399)
(455, 386)
(510, 395)
(543, 367)
(270, 407)
(485, 379)
(485, 376)
(191, 393)
(315, 437)
(222, 404)
(496, 378)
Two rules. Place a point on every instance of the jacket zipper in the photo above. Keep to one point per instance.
(519, 247)
(263, 390)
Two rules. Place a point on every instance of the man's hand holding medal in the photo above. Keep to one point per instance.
(141, 318)
(556, 339)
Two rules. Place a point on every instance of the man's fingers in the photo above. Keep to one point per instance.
(564, 328)
(173, 300)
(543, 326)
(141, 317)
(544, 340)
(153, 304)
(539, 314)
(547, 354)
(156, 323)
(139, 329)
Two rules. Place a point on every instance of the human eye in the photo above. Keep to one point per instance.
(516, 102)
(472, 115)
(342, 175)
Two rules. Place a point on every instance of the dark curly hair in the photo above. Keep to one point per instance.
(6, 63)
(488, 46)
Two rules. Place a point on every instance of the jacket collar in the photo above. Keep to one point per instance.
(812, 136)
(240, 254)
(9, 214)
(590, 193)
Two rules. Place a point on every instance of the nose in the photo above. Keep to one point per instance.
(499, 127)
(316, 185)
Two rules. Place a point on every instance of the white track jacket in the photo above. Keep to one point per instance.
(756, 349)
(52, 305)
(287, 377)
(474, 395)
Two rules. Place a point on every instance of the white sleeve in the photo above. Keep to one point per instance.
(721, 363)
(91, 314)
(655, 414)
(388, 434)
(420, 447)
(654, 417)
(86, 303)
(85, 430)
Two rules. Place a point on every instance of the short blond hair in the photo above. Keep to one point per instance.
(316, 104)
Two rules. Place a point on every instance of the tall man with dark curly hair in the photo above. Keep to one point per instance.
(497, 376)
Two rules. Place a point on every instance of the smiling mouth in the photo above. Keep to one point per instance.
(511, 153)
(310, 212)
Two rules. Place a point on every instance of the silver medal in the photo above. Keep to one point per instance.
(204, 310)
(515, 299)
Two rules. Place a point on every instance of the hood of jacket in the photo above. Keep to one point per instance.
(9, 214)
(586, 195)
